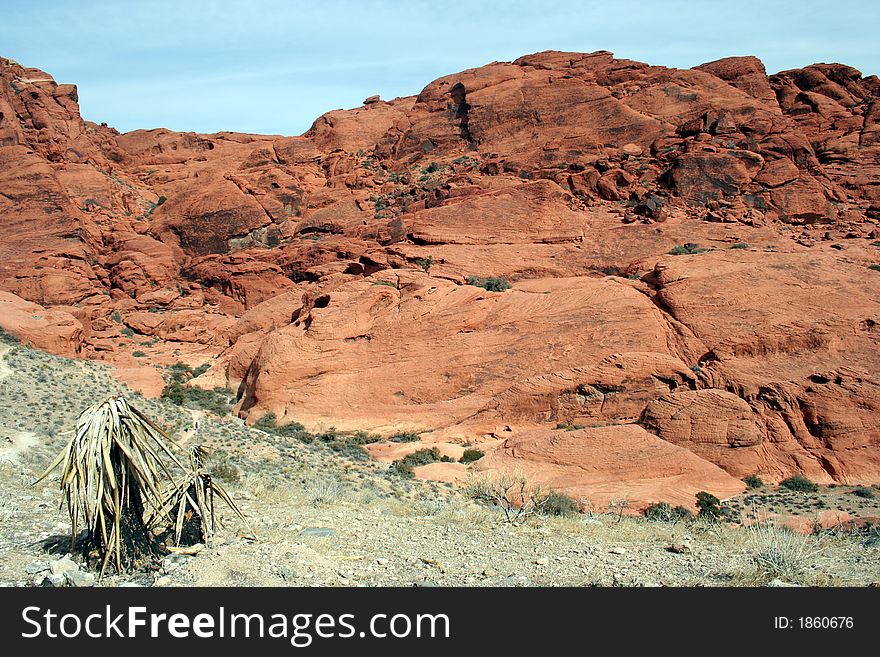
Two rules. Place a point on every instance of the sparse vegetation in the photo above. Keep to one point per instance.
(687, 249)
(402, 469)
(708, 506)
(283, 484)
(224, 469)
(778, 553)
(422, 457)
(151, 207)
(324, 491)
(617, 507)
(493, 284)
(425, 263)
(511, 492)
(665, 512)
(557, 504)
(799, 483)
(190, 503)
(216, 401)
(753, 481)
(349, 449)
(465, 160)
(471, 455)
(8, 337)
(862, 491)
(570, 426)
(269, 423)
(404, 437)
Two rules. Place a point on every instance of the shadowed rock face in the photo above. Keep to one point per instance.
(326, 274)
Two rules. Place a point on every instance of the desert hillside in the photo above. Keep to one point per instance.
(624, 280)
(320, 512)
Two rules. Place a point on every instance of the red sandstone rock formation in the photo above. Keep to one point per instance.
(325, 275)
(52, 330)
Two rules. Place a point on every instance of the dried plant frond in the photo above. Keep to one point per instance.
(110, 470)
(191, 501)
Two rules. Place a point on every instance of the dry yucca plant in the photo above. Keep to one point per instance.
(191, 502)
(111, 470)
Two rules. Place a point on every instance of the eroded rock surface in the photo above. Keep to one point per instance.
(689, 253)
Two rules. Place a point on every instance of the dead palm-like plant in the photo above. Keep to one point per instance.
(110, 470)
(191, 501)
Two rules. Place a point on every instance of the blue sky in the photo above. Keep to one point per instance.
(270, 66)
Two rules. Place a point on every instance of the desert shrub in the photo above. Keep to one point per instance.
(862, 491)
(404, 437)
(740, 245)
(799, 483)
(152, 206)
(269, 424)
(446, 459)
(512, 493)
(687, 249)
(422, 457)
(402, 469)
(425, 263)
(753, 481)
(349, 449)
(730, 514)
(557, 504)
(181, 372)
(570, 426)
(138, 354)
(874, 267)
(223, 469)
(665, 512)
(709, 506)
(363, 438)
(471, 455)
(127, 332)
(7, 337)
(492, 283)
(175, 393)
(216, 401)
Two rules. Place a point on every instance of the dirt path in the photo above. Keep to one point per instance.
(12, 441)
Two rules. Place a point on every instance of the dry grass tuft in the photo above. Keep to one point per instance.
(325, 491)
(778, 553)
